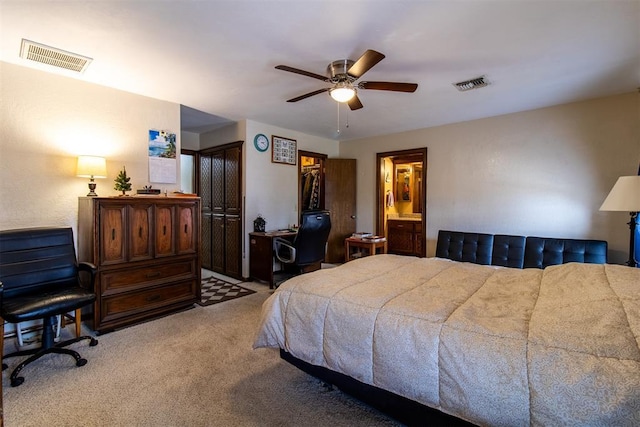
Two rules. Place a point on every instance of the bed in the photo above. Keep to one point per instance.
(489, 345)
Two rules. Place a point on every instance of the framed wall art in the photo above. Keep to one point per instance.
(283, 150)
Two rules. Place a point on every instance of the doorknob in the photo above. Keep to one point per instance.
(353, 217)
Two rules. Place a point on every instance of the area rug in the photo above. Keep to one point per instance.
(215, 290)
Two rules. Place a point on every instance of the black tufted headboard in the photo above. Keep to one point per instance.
(541, 252)
(518, 251)
(465, 247)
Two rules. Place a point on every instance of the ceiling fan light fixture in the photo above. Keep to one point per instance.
(342, 93)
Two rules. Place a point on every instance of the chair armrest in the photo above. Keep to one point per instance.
(92, 270)
(285, 251)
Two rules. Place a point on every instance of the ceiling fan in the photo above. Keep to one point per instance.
(343, 75)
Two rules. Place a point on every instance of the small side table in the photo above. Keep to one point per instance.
(358, 248)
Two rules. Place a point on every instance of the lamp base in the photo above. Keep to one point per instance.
(92, 189)
(632, 239)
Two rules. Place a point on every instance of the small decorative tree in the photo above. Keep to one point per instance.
(122, 182)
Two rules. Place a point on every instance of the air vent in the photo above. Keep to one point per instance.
(476, 83)
(52, 56)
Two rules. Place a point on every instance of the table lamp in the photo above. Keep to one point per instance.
(92, 167)
(625, 196)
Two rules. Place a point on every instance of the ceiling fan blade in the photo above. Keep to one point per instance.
(302, 72)
(365, 63)
(354, 103)
(392, 86)
(307, 95)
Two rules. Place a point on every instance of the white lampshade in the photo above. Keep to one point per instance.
(92, 167)
(342, 93)
(624, 196)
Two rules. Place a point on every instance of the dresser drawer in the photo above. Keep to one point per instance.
(116, 281)
(146, 302)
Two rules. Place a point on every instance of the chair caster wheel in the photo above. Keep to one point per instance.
(93, 342)
(15, 382)
(81, 362)
(4, 366)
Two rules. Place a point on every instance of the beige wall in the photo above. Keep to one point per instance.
(271, 189)
(48, 120)
(543, 172)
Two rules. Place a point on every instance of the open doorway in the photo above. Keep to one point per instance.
(401, 190)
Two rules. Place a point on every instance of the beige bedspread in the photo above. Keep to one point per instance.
(492, 345)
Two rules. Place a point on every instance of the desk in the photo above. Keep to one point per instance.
(261, 254)
(366, 248)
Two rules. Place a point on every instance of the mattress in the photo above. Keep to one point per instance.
(490, 345)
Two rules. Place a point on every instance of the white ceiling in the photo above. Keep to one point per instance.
(218, 57)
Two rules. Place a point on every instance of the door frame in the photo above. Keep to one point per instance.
(380, 196)
(322, 157)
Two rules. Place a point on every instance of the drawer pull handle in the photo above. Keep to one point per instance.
(185, 229)
(113, 234)
(155, 297)
(153, 274)
(140, 232)
(164, 230)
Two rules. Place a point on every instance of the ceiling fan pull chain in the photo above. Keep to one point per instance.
(338, 130)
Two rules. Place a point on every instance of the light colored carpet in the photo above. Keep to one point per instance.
(194, 368)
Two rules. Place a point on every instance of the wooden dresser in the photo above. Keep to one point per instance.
(147, 251)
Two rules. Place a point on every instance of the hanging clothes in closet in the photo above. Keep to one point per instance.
(310, 188)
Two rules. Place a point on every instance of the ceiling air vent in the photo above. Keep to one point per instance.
(52, 56)
(476, 83)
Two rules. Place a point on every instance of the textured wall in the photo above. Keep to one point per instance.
(543, 172)
(47, 120)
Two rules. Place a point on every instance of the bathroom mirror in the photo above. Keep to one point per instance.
(408, 185)
(403, 183)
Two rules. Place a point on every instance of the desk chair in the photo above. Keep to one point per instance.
(308, 247)
(39, 278)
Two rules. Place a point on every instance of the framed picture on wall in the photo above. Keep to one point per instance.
(283, 150)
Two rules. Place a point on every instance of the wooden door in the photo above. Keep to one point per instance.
(217, 182)
(140, 241)
(233, 246)
(206, 234)
(187, 226)
(164, 232)
(204, 184)
(217, 243)
(340, 200)
(401, 238)
(112, 233)
(232, 174)
(221, 181)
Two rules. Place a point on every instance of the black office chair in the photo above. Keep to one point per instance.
(39, 279)
(308, 248)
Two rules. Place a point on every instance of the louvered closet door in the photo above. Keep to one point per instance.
(221, 180)
(204, 191)
(232, 173)
(206, 235)
(233, 249)
(218, 245)
(217, 183)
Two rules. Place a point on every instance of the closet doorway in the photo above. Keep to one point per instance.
(401, 194)
(219, 180)
(330, 184)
